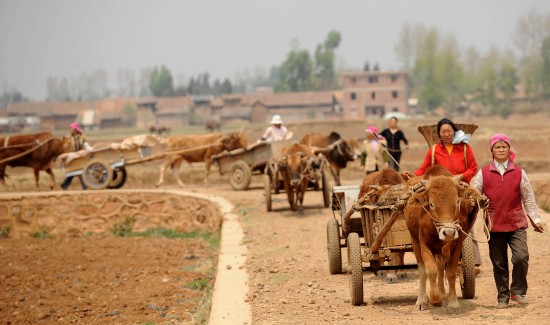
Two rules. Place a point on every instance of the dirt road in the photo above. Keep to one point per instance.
(290, 282)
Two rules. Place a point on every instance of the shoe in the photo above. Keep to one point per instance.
(520, 299)
(502, 305)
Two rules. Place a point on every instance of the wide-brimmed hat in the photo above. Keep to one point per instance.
(76, 127)
(276, 119)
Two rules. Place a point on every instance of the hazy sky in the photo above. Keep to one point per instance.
(65, 38)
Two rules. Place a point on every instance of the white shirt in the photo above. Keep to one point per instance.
(275, 134)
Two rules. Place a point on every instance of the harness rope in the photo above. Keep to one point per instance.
(456, 224)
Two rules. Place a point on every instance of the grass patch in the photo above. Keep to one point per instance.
(199, 284)
(5, 232)
(213, 239)
(124, 228)
(42, 234)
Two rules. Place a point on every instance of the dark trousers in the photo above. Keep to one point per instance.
(397, 156)
(498, 251)
(67, 182)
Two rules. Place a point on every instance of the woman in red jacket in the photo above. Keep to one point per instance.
(456, 156)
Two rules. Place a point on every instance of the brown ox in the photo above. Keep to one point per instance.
(47, 149)
(206, 145)
(337, 150)
(375, 185)
(438, 216)
(298, 166)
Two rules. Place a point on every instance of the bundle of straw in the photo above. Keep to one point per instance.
(430, 132)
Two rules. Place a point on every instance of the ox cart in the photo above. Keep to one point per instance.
(317, 177)
(242, 163)
(372, 233)
(105, 168)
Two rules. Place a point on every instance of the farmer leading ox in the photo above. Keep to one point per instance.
(439, 216)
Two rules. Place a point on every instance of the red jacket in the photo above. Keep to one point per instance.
(504, 193)
(453, 162)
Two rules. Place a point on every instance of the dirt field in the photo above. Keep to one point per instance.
(106, 280)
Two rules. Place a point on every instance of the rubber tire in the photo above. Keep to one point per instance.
(119, 178)
(468, 274)
(240, 175)
(99, 168)
(333, 247)
(267, 191)
(356, 269)
(327, 188)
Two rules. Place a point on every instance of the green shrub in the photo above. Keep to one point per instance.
(124, 228)
(198, 284)
(42, 234)
(5, 232)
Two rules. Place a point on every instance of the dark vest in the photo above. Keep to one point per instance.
(504, 195)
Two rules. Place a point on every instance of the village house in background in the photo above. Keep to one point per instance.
(363, 95)
(374, 93)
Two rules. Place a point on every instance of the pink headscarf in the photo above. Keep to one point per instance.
(373, 130)
(502, 137)
(76, 127)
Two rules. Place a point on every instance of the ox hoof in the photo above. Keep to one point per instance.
(402, 275)
(421, 307)
(454, 310)
(382, 274)
(391, 278)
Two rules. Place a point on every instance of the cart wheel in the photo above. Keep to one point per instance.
(267, 188)
(97, 175)
(468, 275)
(119, 178)
(333, 246)
(356, 269)
(326, 188)
(277, 183)
(240, 175)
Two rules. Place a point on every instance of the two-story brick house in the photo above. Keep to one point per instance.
(373, 93)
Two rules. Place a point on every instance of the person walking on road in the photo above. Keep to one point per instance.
(511, 204)
(394, 136)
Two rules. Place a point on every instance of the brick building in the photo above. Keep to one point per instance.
(373, 94)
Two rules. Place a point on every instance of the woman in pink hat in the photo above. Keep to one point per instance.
(372, 158)
(511, 205)
(79, 142)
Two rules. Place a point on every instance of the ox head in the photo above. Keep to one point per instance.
(234, 141)
(355, 148)
(440, 199)
(299, 166)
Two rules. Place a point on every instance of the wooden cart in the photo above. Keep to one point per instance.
(371, 233)
(273, 181)
(242, 163)
(105, 167)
